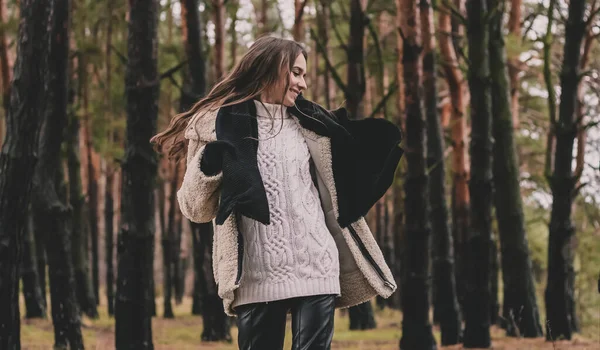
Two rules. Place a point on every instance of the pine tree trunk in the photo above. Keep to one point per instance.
(35, 307)
(199, 279)
(356, 85)
(219, 47)
(18, 159)
(134, 297)
(298, 28)
(109, 239)
(234, 6)
(519, 308)
(83, 282)
(397, 187)
(444, 285)
(460, 172)
(215, 321)
(416, 328)
(51, 214)
(559, 290)
(514, 27)
(323, 25)
(477, 294)
(361, 316)
(109, 212)
(92, 192)
(167, 242)
(494, 275)
(42, 263)
(194, 87)
(4, 65)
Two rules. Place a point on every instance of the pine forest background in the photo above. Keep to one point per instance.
(492, 226)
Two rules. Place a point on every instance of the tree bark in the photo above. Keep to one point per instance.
(559, 292)
(92, 205)
(109, 212)
(215, 321)
(51, 214)
(83, 282)
(167, 241)
(194, 87)
(136, 235)
(233, 8)
(416, 328)
(547, 69)
(356, 85)
(4, 66)
(460, 172)
(514, 28)
(18, 158)
(219, 47)
(35, 307)
(494, 275)
(298, 28)
(199, 279)
(323, 14)
(519, 309)
(444, 284)
(477, 294)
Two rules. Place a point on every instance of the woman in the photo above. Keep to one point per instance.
(288, 183)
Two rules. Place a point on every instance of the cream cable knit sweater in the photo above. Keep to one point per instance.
(296, 254)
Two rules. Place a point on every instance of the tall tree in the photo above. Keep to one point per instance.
(520, 306)
(216, 323)
(416, 328)
(51, 214)
(559, 292)
(459, 165)
(19, 157)
(139, 167)
(444, 284)
(477, 293)
(109, 213)
(361, 316)
(83, 283)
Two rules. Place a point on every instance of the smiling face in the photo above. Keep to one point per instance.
(297, 85)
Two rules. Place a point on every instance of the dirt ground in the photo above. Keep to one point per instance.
(184, 331)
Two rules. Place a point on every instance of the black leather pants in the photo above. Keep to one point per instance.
(261, 326)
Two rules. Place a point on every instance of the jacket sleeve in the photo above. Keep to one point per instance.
(198, 196)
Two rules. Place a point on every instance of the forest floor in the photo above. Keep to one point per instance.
(183, 332)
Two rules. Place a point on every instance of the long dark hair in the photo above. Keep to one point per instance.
(267, 60)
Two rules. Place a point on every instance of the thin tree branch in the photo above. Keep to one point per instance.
(383, 101)
(173, 70)
(119, 54)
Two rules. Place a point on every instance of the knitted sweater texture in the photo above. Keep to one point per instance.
(296, 254)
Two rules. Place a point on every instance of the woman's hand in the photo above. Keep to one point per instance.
(211, 162)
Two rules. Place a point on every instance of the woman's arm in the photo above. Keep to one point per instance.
(199, 193)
